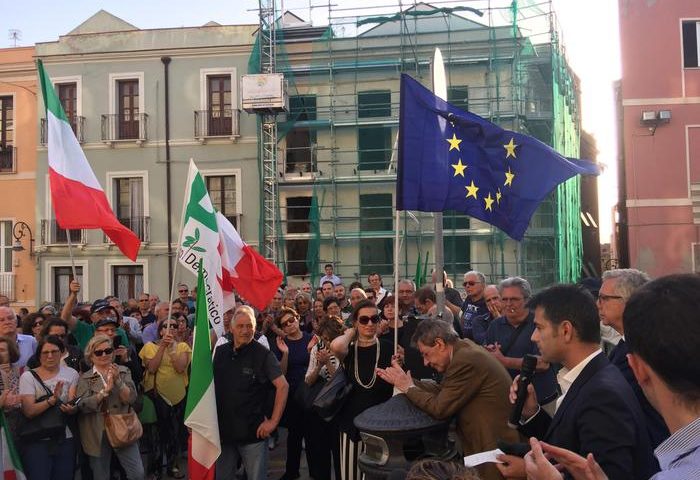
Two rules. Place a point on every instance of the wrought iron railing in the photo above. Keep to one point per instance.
(52, 234)
(216, 123)
(77, 123)
(117, 127)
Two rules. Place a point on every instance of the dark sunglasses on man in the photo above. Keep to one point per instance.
(365, 319)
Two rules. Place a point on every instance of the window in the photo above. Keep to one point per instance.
(456, 246)
(222, 190)
(127, 281)
(7, 131)
(219, 105)
(300, 151)
(61, 280)
(374, 148)
(302, 108)
(68, 96)
(298, 210)
(376, 214)
(6, 240)
(374, 104)
(128, 109)
(459, 97)
(129, 205)
(691, 46)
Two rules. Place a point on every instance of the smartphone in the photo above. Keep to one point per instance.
(75, 401)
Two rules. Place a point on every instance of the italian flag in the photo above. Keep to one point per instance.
(200, 412)
(77, 197)
(11, 464)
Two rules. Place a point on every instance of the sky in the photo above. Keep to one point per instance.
(589, 30)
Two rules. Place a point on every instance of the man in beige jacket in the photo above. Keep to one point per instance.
(474, 387)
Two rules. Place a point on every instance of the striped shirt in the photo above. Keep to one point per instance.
(679, 455)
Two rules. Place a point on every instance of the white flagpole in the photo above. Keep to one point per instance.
(176, 260)
(440, 90)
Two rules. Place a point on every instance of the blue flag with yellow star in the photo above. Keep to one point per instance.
(450, 159)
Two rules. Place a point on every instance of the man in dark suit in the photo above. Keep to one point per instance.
(617, 288)
(597, 411)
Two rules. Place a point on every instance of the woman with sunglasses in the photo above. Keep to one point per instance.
(165, 382)
(361, 353)
(293, 354)
(107, 386)
(32, 324)
(52, 457)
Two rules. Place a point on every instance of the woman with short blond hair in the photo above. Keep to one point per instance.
(106, 387)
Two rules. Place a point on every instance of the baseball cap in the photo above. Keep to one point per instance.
(107, 321)
(99, 305)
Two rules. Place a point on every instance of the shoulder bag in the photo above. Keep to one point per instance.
(122, 429)
(333, 395)
(49, 424)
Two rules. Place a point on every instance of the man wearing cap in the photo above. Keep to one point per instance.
(83, 331)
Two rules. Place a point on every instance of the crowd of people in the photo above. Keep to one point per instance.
(615, 391)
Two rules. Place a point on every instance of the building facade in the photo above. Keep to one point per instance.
(112, 79)
(18, 140)
(659, 207)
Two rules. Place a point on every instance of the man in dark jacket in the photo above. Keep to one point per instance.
(245, 373)
(597, 411)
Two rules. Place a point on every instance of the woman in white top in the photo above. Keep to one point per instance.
(52, 457)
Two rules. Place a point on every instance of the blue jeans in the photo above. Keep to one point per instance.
(49, 459)
(253, 455)
(129, 458)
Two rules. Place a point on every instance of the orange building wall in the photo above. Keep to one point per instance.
(17, 191)
(660, 164)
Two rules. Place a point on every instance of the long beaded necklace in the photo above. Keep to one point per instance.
(374, 370)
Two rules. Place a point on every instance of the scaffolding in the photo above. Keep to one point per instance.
(334, 184)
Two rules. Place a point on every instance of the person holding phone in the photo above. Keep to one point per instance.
(165, 383)
(107, 386)
(51, 458)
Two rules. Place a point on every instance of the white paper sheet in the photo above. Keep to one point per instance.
(483, 457)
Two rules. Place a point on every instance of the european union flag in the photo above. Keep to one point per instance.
(454, 160)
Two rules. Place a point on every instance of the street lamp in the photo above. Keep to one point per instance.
(19, 231)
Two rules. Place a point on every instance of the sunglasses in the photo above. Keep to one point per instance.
(38, 324)
(287, 322)
(470, 283)
(182, 291)
(365, 319)
(106, 351)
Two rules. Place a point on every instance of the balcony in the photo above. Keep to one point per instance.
(52, 234)
(117, 127)
(77, 124)
(216, 123)
(7, 285)
(141, 226)
(8, 159)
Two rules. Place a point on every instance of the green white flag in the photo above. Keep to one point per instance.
(200, 412)
(200, 240)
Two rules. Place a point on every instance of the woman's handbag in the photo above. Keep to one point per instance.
(333, 395)
(305, 394)
(49, 424)
(123, 429)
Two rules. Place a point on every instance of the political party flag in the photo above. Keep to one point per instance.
(455, 160)
(11, 463)
(77, 197)
(244, 269)
(200, 411)
(200, 240)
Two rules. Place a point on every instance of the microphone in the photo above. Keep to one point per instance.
(526, 373)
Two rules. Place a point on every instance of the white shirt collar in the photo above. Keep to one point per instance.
(567, 377)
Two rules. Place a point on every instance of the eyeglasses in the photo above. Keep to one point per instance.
(38, 324)
(365, 319)
(47, 353)
(106, 351)
(470, 283)
(183, 291)
(288, 322)
(604, 298)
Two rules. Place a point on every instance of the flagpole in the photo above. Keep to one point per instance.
(176, 259)
(70, 254)
(440, 90)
